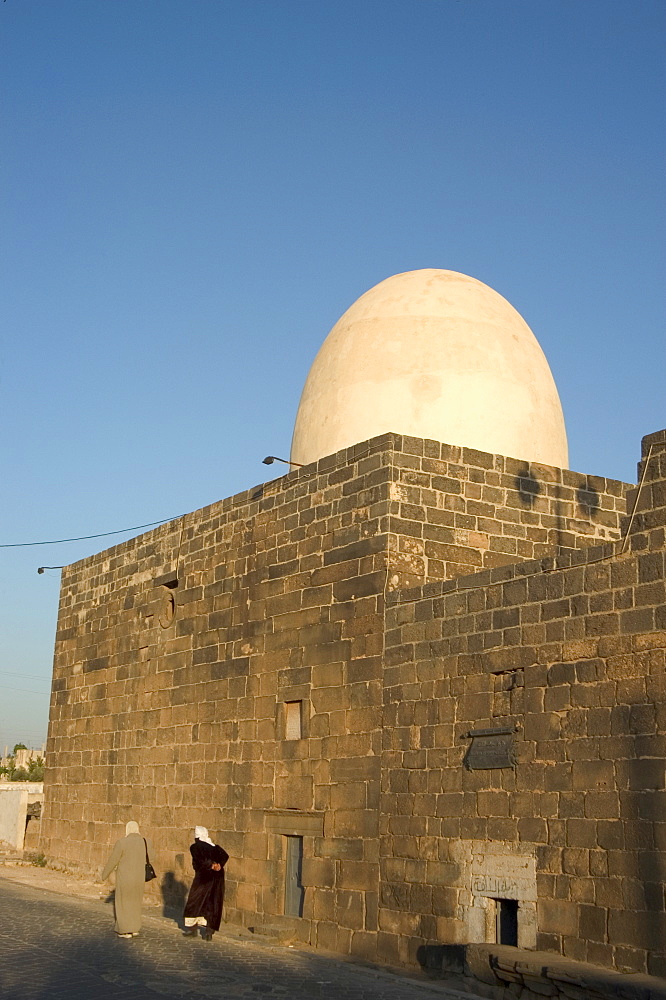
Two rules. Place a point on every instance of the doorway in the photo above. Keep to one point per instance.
(293, 889)
(506, 921)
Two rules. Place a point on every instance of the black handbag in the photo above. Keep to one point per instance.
(150, 871)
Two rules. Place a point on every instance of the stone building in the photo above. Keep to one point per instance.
(22, 758)
(20, 812)
(414, 688)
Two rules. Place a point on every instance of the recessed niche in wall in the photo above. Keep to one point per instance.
(508, 688)
(293, 720)
(167, 609)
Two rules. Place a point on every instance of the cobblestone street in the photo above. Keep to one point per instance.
(57, 947)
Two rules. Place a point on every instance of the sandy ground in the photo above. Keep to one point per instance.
(47, 878)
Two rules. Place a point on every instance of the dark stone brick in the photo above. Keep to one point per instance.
(636, 621)
(446, 485)
(602, 625)
(651, 567)
(506, 618)
(356, 550)
(359, 586)
(562, 673)
(592, 922)
(97, 663)
(556, 609)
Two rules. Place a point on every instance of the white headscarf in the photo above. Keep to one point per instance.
(201, 833)
(131, 827)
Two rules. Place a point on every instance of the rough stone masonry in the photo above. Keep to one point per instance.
(416, 691)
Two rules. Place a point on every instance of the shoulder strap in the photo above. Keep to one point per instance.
(146, 846)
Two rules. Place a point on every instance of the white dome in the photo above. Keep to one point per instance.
(432, 354)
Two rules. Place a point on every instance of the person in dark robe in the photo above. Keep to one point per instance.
(204, 902)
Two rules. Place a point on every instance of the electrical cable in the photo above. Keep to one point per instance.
(15, 673)
(637, 498)
(8, 687)
(83, 538)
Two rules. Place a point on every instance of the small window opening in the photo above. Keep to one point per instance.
(507, 921)
(293, 729)
(293, 889)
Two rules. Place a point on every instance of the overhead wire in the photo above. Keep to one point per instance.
(17, 673)
(83, 538)
(8, 687)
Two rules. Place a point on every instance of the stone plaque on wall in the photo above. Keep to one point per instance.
(490, 748)
(499, 873)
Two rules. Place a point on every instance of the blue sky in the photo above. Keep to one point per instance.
(193, 192)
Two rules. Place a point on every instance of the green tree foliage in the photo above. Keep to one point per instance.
(36, 769)
(33, 772)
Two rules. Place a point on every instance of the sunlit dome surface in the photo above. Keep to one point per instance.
(432, 354)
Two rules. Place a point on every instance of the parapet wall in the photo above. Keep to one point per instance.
(456, 511)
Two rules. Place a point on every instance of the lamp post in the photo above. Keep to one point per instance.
(273, 458)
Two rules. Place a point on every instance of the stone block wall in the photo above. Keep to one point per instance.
(456, 511)
(177, 655)
(532, 975)
(569, 653)
(181, 655)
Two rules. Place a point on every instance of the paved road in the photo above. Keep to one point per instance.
(55, 947)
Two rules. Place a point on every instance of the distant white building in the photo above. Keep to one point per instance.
(20, 813)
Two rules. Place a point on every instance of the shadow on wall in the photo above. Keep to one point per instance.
(588, 500)
(642, 813)
(437, 960)
(528, 487)
(174, 893)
